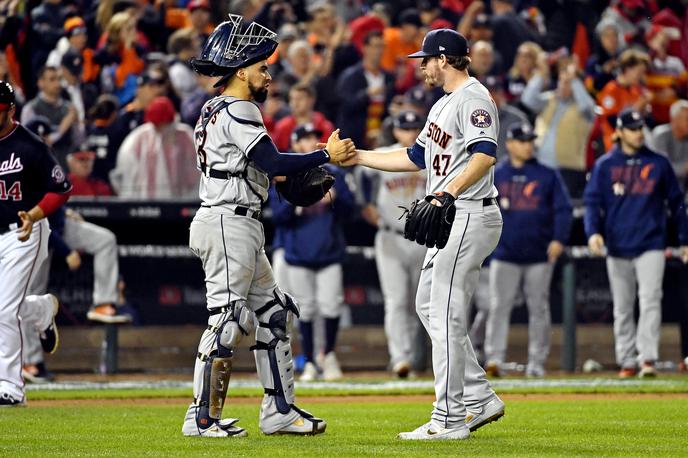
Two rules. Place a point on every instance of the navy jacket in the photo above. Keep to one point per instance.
(536, 210)
(352, 89)
(313, 236)
(626, 201)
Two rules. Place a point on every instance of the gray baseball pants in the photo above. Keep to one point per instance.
(507, 281)
(444, 296)
(399, 263)
(628, 277)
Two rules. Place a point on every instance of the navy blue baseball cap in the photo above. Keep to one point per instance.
(40, 125)
(408, 120)
(520, 131)
(629, 119)
(304, 131)
(442, 41)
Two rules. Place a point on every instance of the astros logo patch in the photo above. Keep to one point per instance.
(481, 118)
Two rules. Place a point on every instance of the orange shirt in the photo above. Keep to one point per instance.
(396, 49)
(613, 98)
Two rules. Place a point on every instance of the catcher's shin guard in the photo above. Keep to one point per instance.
(218, 364)
(273, 350)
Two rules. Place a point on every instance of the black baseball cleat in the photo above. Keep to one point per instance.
(50, 338)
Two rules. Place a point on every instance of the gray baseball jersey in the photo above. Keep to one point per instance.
(232, 128)
(394, 189)
(456, 121)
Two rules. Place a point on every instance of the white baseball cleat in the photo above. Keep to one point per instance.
(305, 425)
(8, 401)
(331, 369)
(535, 371)
(310, 372)
(479, 416)
(431, 431)
(221, 428)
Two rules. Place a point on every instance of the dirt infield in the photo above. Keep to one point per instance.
(358, 399)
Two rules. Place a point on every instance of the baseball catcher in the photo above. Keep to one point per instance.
(237, 160)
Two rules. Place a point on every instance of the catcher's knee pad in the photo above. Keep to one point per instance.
(273, 350)
(218, 363)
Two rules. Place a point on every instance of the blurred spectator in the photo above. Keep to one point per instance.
(63, 117)
(365, 91)
(47, 21)
(99, 135)
(74, 40)
(433, 11)
(183, 45)
(80, 165)
(121, 57)
(400, 42)
(508, 114)
(157, 160)
(199, 17)
(287, 34)
(483, 61)
(475, 24)
(602, 65)
(667, 76)
(510, 30)
(626, 91)
(563, 124)
(529, 57)
(203, 91)
(631, 17)
(150, 84)
(671, 140)
(82, 96)
(301, 102)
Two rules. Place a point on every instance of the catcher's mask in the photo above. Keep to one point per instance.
(234, 45)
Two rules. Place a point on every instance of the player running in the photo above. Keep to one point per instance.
(458, 146)
(237, 159)
(32, 186)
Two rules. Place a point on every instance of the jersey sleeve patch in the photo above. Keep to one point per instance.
(481, 118)
(57, 175)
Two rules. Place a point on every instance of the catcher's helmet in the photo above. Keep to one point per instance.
(234, 45)
(6, 95)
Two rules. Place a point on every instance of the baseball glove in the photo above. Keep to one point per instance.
(429, 224)
(306, 188)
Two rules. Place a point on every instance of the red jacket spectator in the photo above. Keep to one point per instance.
(301, 102)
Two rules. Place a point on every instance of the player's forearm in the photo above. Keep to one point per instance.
(477, 167)
(391, 161)
(36, 213)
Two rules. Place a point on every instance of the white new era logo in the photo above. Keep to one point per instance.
(442, 48)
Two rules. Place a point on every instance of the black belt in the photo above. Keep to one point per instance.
(386, 228)
(242, 211)
(489, 201)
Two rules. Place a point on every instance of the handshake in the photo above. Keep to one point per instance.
(342, 151)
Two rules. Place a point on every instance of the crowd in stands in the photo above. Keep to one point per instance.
(113, 78)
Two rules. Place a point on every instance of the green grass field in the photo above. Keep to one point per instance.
(616, 422)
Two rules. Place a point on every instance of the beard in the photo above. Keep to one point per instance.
(259, 94)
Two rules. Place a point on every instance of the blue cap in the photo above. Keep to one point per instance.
(40, 125)
(629, 119)
(304, 131)
(408, 120)
(521, 131)
(442, 41)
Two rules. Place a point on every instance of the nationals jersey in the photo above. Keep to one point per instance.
(225, 133)
(27, 172)
(456, 121)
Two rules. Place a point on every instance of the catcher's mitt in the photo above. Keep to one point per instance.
(429, 224)
(306, 188)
